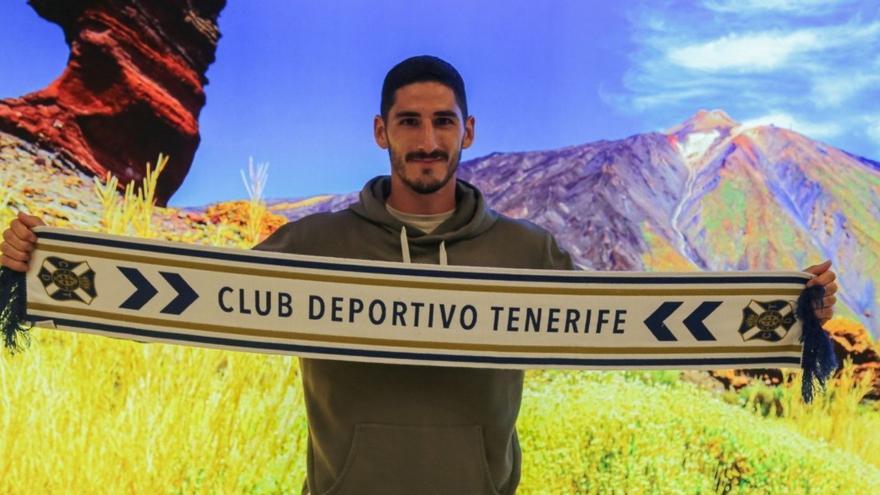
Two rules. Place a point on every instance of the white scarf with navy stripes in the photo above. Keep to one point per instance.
(381, 312)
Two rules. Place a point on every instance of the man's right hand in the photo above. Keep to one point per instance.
(18, 242)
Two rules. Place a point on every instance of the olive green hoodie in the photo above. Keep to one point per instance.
(389, 428)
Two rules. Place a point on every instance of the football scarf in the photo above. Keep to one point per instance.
(329, 308)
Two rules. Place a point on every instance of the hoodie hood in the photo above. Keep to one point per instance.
(471, 218)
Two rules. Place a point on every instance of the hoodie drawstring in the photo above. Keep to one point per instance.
(404, 245)
(404, 248)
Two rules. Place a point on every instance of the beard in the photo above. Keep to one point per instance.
(424, 183)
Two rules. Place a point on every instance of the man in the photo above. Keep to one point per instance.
(380, 428)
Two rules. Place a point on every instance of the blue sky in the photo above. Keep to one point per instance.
(296, 84)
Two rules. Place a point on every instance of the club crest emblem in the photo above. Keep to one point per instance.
(68, 280)
(768, 321)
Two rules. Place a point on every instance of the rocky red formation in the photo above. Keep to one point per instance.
(133, 86)
(236, 213)
(851, 341)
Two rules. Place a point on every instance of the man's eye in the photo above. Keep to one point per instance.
(443, 121)
(409, 121)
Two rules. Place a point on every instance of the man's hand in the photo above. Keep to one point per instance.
(18, 242)
(825, 278)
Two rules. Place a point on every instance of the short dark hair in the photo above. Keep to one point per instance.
(420, 69)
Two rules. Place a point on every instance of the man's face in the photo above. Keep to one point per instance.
(424, 135)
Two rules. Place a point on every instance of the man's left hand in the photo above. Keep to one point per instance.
(826, 278)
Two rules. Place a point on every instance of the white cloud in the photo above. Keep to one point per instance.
(834, 90)
(873, 129)
(749, 52)
(796, 7)
(768, 50)
(816, 130)
(644, 102)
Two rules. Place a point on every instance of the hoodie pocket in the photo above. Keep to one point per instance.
(439, 460)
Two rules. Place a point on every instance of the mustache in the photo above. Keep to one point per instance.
(421, 155)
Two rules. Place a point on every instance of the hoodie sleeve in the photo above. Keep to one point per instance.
(556, 258)
(280, 241)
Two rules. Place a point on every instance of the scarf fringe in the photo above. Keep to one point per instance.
(13, 310)
(818, 360)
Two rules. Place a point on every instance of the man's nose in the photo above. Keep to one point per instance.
(428, 138)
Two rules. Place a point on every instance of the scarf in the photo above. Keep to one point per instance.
(329, 308)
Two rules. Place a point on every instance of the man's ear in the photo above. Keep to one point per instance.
(468, 139)
(380, 134)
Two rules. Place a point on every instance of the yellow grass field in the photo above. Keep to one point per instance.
(88, 414)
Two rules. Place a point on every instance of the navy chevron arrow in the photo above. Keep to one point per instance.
(144, 290)
(694, 321)
(655, 322)
(185, 294)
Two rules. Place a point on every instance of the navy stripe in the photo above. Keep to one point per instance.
(297, 348)
(426, 272)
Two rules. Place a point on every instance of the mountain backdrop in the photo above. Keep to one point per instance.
(708, 194)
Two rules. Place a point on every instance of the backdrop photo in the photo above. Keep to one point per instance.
(663, 136)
